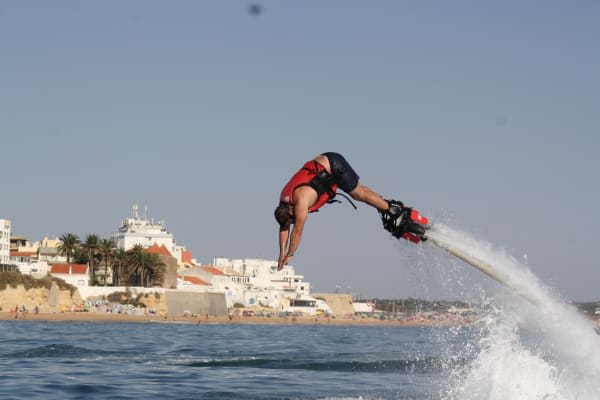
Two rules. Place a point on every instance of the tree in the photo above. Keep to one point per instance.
(146, 268)
(91, 248)
(68, 243)
(155, 271)
(137, 264)
(120, 261)
(107, 247)
(80, 256)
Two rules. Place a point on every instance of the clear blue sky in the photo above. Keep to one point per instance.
(483, 115)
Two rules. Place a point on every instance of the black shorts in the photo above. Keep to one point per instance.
(342, 172)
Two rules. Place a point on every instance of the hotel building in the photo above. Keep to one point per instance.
(139, 230)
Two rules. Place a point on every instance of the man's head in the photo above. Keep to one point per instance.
(283, 215)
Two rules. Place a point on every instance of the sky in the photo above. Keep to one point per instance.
(482, 115)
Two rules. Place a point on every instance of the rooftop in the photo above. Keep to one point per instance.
(63, 269)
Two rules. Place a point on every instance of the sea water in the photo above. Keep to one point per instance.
(74, 360)
(531, 344)
(538, 348)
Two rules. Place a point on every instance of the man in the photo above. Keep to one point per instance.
(314, 185)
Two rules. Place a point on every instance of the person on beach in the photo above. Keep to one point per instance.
(315, 185)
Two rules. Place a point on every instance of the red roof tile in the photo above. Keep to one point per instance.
(156, 249)
(212, 270)
(80, 269)
(165, 251)
(186, 257)
(23, 253)
(195, 280)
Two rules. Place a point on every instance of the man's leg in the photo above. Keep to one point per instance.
(393, 213)
(347, 180)
(366, 195)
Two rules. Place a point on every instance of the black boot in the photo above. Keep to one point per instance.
(395, 218)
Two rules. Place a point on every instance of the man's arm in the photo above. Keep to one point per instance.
(296, 236)
(284, 235)
(303, 197)
(300, 215)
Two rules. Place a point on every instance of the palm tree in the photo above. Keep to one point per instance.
(137, 264)
(146, 268)
(120, 260)
(91, 248)
(68, 244)
(80, 256)
(107, 247)
(156, 270)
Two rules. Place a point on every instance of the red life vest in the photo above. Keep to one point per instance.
(314, 175)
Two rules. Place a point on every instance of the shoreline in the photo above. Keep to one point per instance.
(98, 317)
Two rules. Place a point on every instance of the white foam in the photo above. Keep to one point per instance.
(559, 361)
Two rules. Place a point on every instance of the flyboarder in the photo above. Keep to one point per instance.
(316, 184)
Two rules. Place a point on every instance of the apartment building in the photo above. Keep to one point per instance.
(5, 227)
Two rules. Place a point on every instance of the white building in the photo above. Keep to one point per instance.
(26, 256)
(74, 274)
(256, 282)
(5, 226)
(48, 251)
(262, 273)
(38, 269)
(140, 230)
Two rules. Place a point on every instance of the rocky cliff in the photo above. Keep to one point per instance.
(47, 294)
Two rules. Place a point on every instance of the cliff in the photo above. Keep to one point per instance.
(48, 294)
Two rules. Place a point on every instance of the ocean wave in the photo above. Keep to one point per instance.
(409, 366)
(60, 351)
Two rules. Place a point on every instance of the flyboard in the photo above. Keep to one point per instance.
(415, 228)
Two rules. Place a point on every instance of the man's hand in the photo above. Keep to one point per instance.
(283, 260)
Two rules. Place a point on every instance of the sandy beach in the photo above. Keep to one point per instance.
(112, 317)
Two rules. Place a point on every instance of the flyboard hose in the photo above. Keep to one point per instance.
(416, 228)
(486, 269)
(480, 265)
